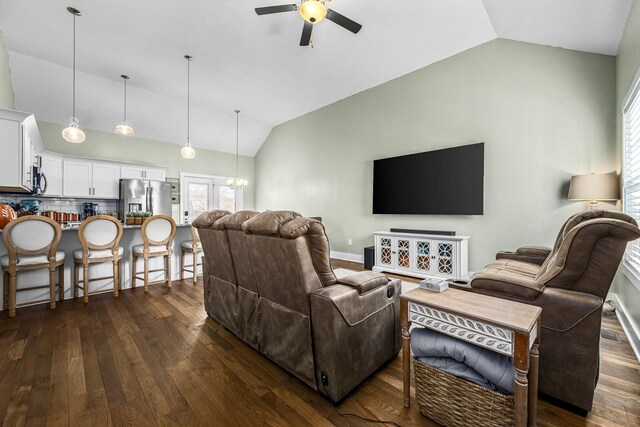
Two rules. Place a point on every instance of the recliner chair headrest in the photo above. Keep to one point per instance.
(269, 223)
(235, 220)
(210, 218)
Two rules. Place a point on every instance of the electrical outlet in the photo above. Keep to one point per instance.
(350, 242)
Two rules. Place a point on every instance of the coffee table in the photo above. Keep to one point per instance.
(499, 325)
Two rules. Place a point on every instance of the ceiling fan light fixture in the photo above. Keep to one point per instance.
(313, 11)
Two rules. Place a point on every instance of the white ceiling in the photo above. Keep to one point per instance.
(254, 63)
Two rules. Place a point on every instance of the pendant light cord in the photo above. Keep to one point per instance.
(74, 66)
(237, 144)
(188, 98)
(125, 100)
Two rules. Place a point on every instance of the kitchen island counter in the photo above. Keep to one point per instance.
(70, 242)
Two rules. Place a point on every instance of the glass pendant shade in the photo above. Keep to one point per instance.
(124, 129)
(73, 133)
(187, 151)
(313, 11)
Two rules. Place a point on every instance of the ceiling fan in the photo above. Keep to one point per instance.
(312, 11)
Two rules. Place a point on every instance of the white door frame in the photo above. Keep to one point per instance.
(217, 180)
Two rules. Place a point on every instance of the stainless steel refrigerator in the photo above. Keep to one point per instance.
(141, 195)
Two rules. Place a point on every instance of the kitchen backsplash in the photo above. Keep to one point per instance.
(66, 205)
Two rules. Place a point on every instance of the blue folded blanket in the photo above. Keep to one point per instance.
(462, 359)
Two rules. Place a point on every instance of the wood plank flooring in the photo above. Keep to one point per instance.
(157, 359)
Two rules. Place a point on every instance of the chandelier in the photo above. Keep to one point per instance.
(237, 183)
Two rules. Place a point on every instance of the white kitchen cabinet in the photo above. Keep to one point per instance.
(131, 172)
(155, 174)
(106, 178)
(52, 171)
(142, 172)
(77, 178)
(422, 255)
(21, 143)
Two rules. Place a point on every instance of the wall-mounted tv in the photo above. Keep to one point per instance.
(440, 182)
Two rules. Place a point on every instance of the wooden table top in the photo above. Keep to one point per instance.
(513, 315)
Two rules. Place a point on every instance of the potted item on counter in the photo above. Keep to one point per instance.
(129, 218)
(7, 214)
(138, 217)
(145, 216)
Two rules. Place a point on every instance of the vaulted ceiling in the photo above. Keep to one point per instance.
(254, 63)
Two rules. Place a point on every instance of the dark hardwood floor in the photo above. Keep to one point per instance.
(157, 359)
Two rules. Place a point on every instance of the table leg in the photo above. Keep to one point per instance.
(406, 352)
(521, 363)
(534, 356)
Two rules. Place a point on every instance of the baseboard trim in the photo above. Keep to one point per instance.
(629, 329)
(346, 256)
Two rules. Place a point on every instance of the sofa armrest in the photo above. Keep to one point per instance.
(507, 283)
(531, 254)
(364, 281)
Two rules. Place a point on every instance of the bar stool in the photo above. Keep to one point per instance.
(32, 244)
(100, 239)
(191, 246)
(157, 234)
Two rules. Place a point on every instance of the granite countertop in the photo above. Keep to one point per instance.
(125, 226)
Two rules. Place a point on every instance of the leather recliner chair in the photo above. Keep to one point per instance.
(569, 282)
(268, 279)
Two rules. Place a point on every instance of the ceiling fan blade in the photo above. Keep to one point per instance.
(343, 21)
(306, 34)
(276, 9)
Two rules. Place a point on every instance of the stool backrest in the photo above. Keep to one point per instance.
(31, 235)
(158, 230)
(100, 232)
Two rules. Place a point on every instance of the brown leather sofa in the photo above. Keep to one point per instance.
(268, 279)
(569, 282)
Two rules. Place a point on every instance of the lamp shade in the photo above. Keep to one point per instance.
(594, 187)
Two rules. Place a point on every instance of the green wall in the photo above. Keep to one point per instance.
(628, 64)
(6, 88)
(544, 114)
(110, 146)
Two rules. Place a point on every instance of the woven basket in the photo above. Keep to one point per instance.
(453, 401)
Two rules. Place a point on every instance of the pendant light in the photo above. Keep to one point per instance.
(73, 133)
(237, 183)
(124, 128)
(187, 151)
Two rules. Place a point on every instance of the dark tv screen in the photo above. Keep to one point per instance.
(440, 182)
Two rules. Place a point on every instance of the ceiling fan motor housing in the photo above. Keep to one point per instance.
(313, 11)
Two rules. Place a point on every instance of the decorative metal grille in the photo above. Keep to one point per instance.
(423, 253)
(403, 253)
(385, 251)
(445, 258)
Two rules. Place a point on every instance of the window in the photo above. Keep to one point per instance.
(631, 170)
(226, 198)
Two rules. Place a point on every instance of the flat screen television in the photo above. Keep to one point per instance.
(440, 182)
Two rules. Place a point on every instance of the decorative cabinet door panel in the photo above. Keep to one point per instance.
(403, 254)
(445, 258)
(385, 251)
(423, 256)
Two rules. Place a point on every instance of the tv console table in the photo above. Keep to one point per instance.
(421, 255)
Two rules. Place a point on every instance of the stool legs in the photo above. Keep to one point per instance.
(133, 271)
(195, 267)
(85, 283)
(76, 279)
(61, 282)
(167, 260)
(12, 294)
(5, 290)
(52, 287)
(116, 284)
(182, 256)
(146, 275)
